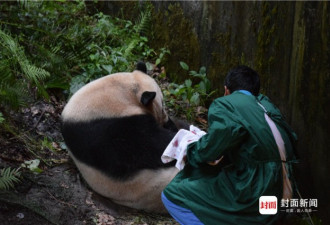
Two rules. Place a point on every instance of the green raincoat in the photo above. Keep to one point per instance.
(239, 132)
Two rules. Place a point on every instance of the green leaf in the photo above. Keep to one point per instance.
(57, 82)
(76, 83)
(193, 73)
(108, 68)
(149, 66)
(194, 100)
(184, 65)
(202, 87)
(1, 118)
(188, 83)
(157, 61)
(202, 70)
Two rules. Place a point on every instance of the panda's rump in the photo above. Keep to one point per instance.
(142, 191)
(119, 147)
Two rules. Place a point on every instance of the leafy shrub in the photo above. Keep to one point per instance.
(17, 73)
(72, 44)
(127, 46)
(163, 52)
(188, 96)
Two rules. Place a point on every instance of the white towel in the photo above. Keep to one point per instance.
(177, 148)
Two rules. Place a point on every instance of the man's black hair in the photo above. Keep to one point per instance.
(243, 78)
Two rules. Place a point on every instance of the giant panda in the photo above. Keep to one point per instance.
(116, 129)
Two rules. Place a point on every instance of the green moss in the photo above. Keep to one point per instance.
(128, 10)
(228, 51)
(265, 8)
(266, 53)
(224, 58)
(175, 32)
(274, 10)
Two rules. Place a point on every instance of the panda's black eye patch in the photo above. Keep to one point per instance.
(147, 97)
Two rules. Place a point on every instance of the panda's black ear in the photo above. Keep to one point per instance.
(147, 97)
(141, 66)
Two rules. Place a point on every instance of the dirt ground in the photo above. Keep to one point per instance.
(57, 195)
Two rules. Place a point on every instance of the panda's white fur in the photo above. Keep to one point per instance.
(141, 192)
(115, 95)
(118, 96)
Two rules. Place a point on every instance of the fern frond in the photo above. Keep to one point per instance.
(143, 23)
(15, 64)
(14, 95)
(8, 177)
(130, 47)
(6, 73)
(30, 71)
(12, 47)
(52, 56)
(29, 4)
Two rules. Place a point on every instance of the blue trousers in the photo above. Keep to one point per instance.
(182, 215)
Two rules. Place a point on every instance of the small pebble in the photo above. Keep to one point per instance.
(20, 215)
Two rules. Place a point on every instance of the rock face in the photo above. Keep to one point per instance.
(286, 42)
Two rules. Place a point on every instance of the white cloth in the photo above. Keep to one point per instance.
(177, 148)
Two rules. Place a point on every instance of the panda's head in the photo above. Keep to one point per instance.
(116, 96)
(152, 98)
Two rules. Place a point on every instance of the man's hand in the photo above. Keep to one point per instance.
(216, 162)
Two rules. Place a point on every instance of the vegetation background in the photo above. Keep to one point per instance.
(48, 51)
(51, 49)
